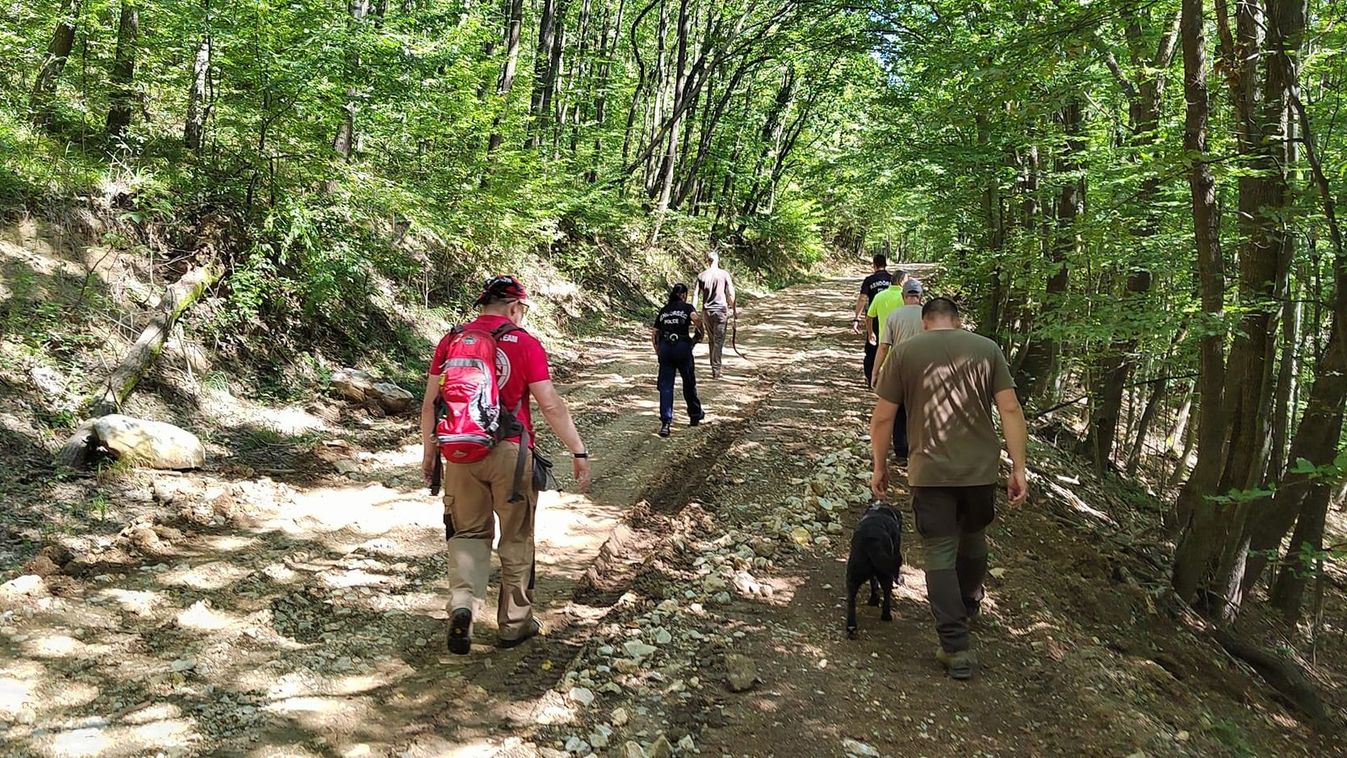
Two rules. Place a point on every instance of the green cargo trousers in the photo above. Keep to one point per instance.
(952, 522)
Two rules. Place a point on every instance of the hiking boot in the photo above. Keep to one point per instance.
(974, 611)
(666, 429)
(960, 665)
(460, 631)
(532, 630)
(696, 420)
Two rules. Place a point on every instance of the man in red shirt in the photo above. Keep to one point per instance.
(473, 491)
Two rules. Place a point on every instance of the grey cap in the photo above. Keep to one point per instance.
(912, 287)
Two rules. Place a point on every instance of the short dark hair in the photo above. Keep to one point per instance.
(940, 306)
(880, 260)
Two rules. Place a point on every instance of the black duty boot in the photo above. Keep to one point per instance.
(696, 420)
(666, 429)
(460, 631)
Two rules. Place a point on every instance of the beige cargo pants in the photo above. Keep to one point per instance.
(472, 493)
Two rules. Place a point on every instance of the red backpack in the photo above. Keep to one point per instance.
(471, 419)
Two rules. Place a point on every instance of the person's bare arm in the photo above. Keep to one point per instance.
(860, 313)
(1017, 444)
(881, 432)
(734, 303)
(654, 340)
(428, 447)
(880, 355)
(559, 419)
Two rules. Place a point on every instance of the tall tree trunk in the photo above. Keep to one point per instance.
(1288, 373)
(1198, 517)
(657, 99)
(1114, 368)
(1263, 269)
(344, 141)
(1264, 274)
(711, 119)
(1315, 441)
(1144, 427)
(1303, 556)
(771, 138)
(198, 96)
(643, 77)
(514, 15)
(123, 76)
(667, 165)
(1318, 435)
(607, 49)
(1038, 368)
(1174, 440)
(41, 109)
(542, 70)
(577, 75)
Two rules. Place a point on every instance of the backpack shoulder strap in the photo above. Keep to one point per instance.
(525, 447)
(504, 329)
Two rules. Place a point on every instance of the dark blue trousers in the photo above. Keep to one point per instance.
(676, 358)
(900, 433)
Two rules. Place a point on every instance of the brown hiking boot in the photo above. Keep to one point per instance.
(532, 630)
(959, 665)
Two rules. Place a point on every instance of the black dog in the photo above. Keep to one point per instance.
(876, 556)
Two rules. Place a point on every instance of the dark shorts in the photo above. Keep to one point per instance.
(953, 511)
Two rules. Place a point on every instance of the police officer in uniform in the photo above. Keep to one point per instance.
(673, 342)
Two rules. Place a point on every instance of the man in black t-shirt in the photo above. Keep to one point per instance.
(673, 345)
(873, 285)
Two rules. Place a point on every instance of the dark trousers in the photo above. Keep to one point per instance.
(676, 358)
(900, 447)
(870, 350)
(952, 522)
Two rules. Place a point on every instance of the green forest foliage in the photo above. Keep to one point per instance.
(1051, 150)
(427, 142)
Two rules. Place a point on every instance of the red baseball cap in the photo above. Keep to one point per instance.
(502, 288)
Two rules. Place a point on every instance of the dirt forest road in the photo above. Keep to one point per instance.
(691, 601)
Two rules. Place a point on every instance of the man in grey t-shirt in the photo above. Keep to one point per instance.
(715, 294)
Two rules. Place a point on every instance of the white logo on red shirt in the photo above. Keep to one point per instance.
(502, 366)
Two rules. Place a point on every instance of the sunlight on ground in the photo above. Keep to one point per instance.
(139, 602)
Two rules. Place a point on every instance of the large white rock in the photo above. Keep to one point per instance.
(152, 444)
(20, 591)
(360, 387)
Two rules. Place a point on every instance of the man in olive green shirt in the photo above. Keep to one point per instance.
(948, 379)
